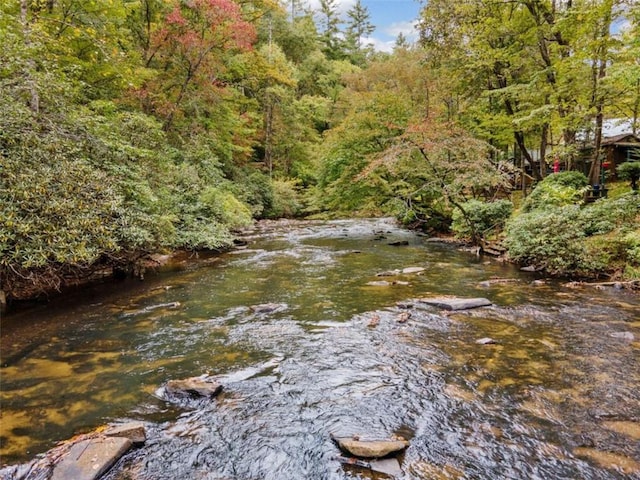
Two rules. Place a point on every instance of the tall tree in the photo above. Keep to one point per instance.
(189, 51)
(602, 16)
(329, 20)
(358, 27)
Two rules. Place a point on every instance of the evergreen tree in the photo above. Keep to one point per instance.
(330, 35)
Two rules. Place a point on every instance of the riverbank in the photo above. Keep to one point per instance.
(150, 264)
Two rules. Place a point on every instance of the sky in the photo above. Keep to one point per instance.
(390, 17)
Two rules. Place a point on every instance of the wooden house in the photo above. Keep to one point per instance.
(619, 149)
(614, 151)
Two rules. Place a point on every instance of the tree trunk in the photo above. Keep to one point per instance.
(597, 96)
(268, 136)
(34, 97)
(543, 150)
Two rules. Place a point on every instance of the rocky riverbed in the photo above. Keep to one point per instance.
(538, 381)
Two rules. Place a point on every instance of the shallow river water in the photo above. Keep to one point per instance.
(556, 397)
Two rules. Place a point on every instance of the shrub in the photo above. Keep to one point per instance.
(573, 179)
(630, 171)
(480, 218)
(606, 214)
(224, 207)
(632, 247)
(256, 190)
(550, 239)
(557, 190)
(600, 238)
(287, 201)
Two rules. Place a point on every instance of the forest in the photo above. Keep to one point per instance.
(132, 127)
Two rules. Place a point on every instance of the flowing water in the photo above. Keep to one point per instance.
(556, 397)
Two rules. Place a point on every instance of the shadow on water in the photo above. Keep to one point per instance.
(555, 395)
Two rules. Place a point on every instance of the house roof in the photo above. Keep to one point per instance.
(624, 139)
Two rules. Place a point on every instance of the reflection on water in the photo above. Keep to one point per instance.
(554, 397)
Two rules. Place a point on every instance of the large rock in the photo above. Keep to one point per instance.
(90, 459)
(203, 386)
(134, 431)
(456, 303)
(370, 448)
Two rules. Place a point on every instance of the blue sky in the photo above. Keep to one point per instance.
(389, 16)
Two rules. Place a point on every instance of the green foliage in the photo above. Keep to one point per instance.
(631, 242)
(478, 219)
(547, 238)
(287, 199)
(630, 171)
(59, 213)
(225, 208)
(606, 215)
(597, 239)
(565, 188)
(254, 189)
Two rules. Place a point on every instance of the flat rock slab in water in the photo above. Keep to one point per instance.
(372, 448)
(89, 459)
(204, 386)
(134, 431)
(387, 466)
(410, 270)
(456, 303)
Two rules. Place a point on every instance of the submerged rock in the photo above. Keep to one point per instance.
(486, 341)
(379, 283)
(399, 243)
(268, 307)
(410, 270)
(623, 336)
(454, 303)
(387, 466)
(404, 305)
(531, 268)
(203, 386)
(370, 448)
(497, 281)
(388, 273)
(374, 321)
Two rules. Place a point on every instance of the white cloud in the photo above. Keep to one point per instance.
(379, 45)
(407, 28)
(343, 5)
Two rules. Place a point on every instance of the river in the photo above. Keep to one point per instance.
(555, 397)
